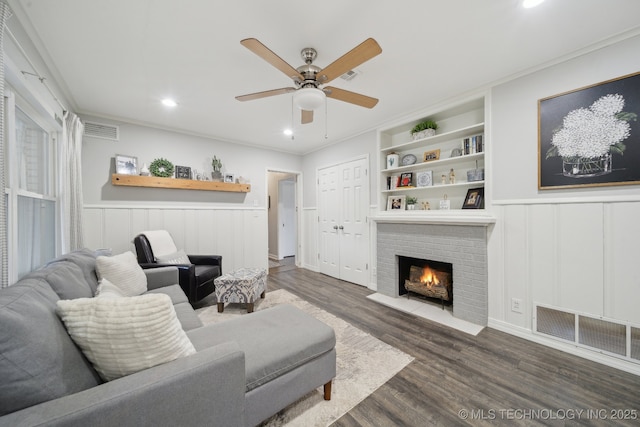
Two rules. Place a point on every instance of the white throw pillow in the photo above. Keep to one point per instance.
(121, 336)
(179, 257)
(106, 289)
(123, 271)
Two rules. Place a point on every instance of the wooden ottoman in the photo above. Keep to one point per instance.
(241, 286)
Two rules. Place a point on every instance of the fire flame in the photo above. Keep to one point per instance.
(429, 277)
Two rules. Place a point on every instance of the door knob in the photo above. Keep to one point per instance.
(341, 228)
(335, 227)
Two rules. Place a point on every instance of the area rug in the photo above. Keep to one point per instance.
(363, 363)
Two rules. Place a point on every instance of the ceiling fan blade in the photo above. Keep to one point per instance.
(350, 60)
(352, 97)
(258, 95)
(265, 53)
(307, 116)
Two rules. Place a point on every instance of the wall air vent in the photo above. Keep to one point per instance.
(100, 130)
(350, 75)
(607, 336)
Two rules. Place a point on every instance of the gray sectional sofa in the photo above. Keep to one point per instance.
(244, 370)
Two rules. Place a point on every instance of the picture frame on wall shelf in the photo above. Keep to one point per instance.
(474, 199)
(183, 172)
(406, 179)
(424, 179)
(571, 150)
(396, 203)
(230, 178)
(429, 156)
(126, 165)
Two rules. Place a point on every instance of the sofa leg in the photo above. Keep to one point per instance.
(327, 391)
(250, 307)
(220, 307)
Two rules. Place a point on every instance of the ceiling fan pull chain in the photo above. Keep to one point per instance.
(292, 132)
(326, 120)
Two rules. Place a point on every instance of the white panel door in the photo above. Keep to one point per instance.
(344, 231)
(328, 244)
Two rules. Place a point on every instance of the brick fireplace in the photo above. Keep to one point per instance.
(463, 246)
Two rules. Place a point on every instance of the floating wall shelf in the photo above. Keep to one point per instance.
(184, 184)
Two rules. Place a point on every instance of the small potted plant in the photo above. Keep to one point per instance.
(216, 164)
(424, 129)
(411, 202)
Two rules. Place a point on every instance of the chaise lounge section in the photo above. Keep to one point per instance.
(243, 370)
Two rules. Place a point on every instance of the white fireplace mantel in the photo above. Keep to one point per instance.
(461, 217)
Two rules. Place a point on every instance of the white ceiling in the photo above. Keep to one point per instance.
(119, 58)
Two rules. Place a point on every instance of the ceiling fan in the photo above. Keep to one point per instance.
(308, 78)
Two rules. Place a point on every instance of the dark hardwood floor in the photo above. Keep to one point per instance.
(458, 379)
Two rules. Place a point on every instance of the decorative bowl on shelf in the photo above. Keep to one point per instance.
(475, 175)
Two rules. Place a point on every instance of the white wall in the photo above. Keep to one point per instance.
(571, 248)
(230, 224)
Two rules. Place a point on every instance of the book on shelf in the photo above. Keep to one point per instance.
(473, 144)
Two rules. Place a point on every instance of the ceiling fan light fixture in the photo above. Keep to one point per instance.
(309, 98)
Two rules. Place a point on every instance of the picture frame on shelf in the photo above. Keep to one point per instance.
(406, 179)
(394, 182)
(429, 156)
(571, 153)
(183, 172)
(424, 179)
(230, 178)
(474, 199)
(396, 203)
(126, 165)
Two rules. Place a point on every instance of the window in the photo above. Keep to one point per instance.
(30, 180)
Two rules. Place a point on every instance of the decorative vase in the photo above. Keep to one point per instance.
(393, 160)
(581, 167)
(216, 176)
(411, 207)
(424, 134)
(145, 170)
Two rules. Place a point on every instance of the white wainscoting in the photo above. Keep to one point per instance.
(310, 239)
(239, 235)
(579, 255)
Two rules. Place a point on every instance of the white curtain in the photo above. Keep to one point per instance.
(5, 13)
(71, 203)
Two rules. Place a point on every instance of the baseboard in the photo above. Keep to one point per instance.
(313, 268)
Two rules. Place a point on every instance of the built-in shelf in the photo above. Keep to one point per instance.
(184, 184)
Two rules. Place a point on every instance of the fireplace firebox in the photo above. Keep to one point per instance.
(429, 279)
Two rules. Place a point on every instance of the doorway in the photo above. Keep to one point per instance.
(283, 220)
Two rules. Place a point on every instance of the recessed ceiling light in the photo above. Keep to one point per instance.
(168, 102)
(531, 3)
(288, 132)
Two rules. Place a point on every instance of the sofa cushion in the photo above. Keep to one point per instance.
(85, 259)
(38, 360)
(187, 316)
(179, 257)
(65, 278)
(275, 340)
(121, 336)
(175, 292)
(123, 271)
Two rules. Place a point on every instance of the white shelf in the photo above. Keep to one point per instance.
(435, 163)
(437, 187)
(437, 139)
